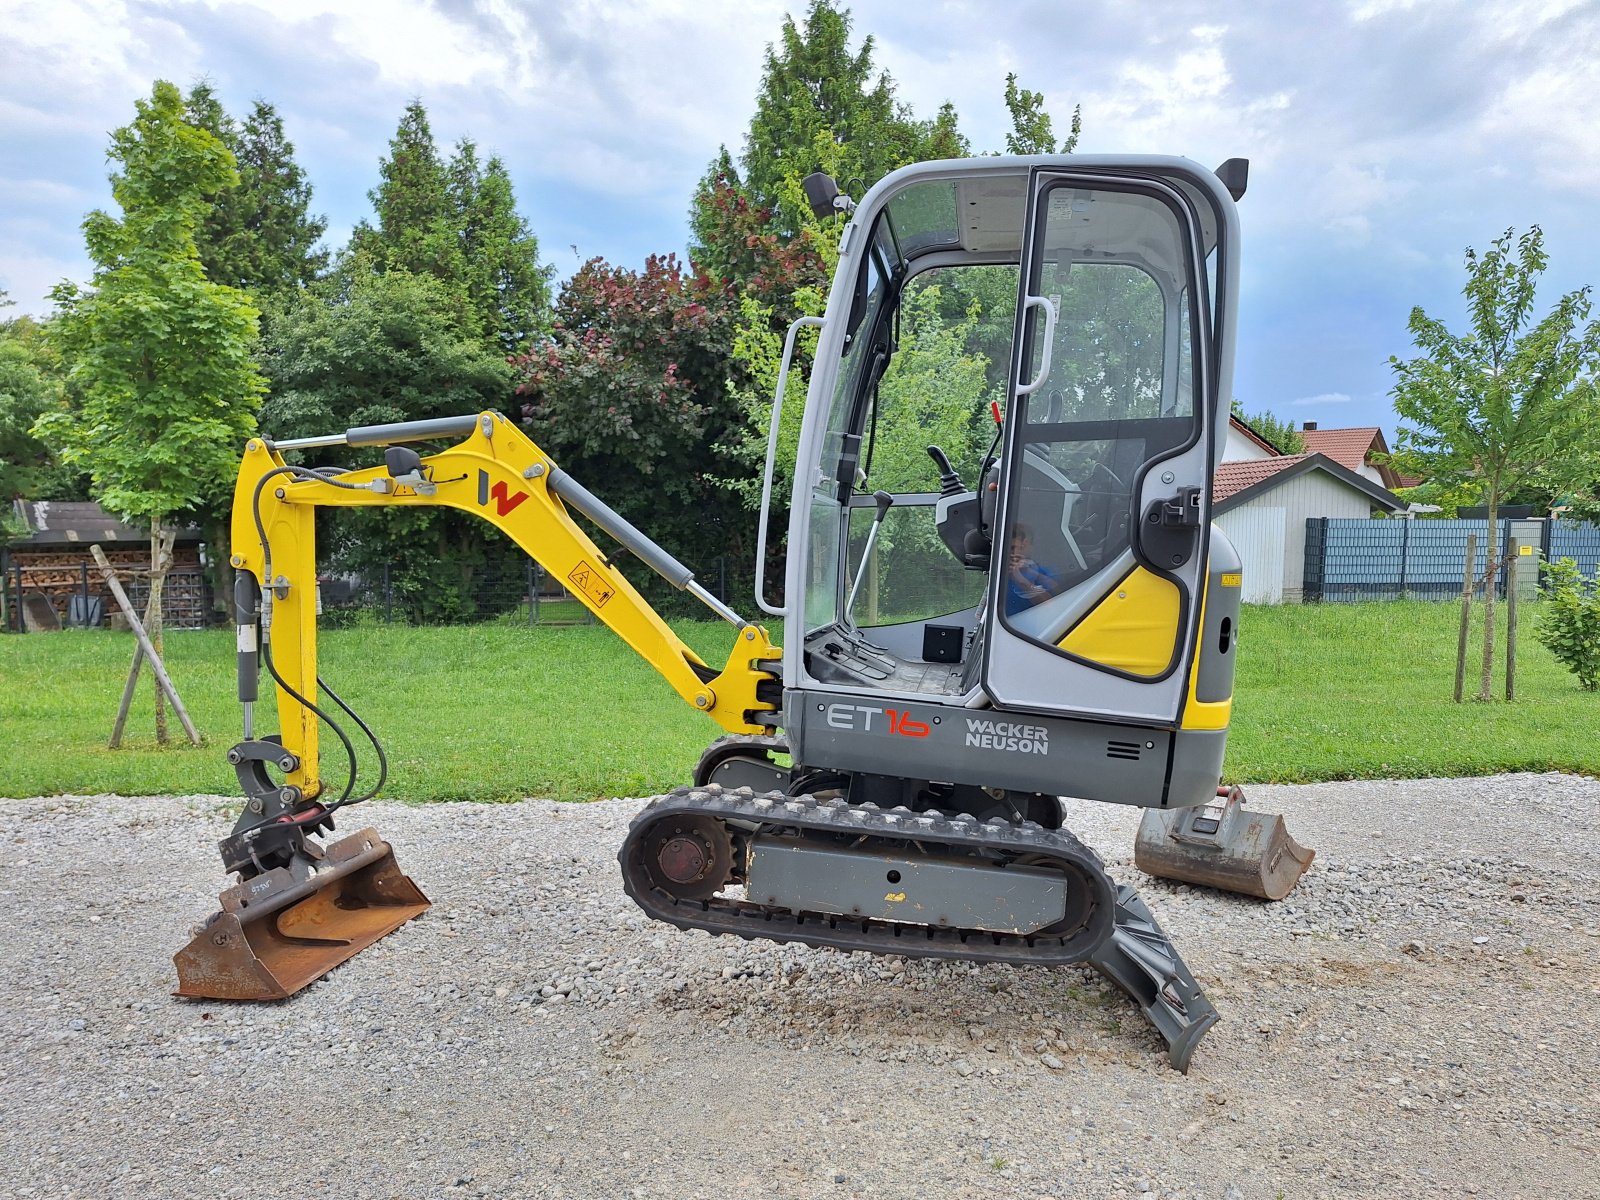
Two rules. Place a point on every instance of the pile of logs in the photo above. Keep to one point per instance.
(59, 575)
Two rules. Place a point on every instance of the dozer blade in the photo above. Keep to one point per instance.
(280, 930)
(1221, 845)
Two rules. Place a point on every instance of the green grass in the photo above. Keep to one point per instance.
(496, 712)
(486, 712)
(1365, 691)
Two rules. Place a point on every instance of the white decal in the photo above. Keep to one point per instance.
(1007, 735)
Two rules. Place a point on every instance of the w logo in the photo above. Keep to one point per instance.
(504, 501)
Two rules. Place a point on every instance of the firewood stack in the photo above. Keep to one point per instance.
(58, 574)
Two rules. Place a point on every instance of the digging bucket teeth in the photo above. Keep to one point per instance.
(283, 928)
(1221, 845)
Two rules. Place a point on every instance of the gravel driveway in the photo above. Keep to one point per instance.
(1420, 1019)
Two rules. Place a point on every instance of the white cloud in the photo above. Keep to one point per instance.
(1318, 401)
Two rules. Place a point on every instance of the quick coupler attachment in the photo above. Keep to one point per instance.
(1140, 959)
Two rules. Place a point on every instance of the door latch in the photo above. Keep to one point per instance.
(1182, 510)
(1167, 539)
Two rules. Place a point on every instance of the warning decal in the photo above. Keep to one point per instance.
(592, 582)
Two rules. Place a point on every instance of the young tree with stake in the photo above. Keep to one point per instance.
(161, 356)
(1510, 402)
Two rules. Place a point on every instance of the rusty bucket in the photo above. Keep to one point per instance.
(283, 928)
(1219, 844)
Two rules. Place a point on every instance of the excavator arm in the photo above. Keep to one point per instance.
(301, 908)
(499, 475)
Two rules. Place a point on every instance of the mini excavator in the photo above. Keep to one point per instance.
(1037, 607)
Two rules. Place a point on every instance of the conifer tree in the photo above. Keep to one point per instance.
(259, 235)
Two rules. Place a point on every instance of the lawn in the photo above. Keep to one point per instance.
(497, 712)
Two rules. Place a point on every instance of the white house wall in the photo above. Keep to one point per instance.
(1312, 494)
(1239, 448)
(1257, 533)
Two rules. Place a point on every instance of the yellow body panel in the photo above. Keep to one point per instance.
(1133, 629)
(1204, 714)
(500, 475)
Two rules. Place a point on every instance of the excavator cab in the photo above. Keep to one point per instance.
(1007, 449)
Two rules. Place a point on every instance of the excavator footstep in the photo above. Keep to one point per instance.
(280, 930)
(1222, 845)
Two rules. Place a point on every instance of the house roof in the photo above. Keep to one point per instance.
(1243, 426)
(1347, 447)
(1234, 477)
(78, 522)
(1239, 482)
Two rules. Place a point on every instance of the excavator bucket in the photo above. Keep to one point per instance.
(1221, 845)
(283, 928)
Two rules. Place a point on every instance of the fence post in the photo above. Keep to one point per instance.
(1405, 554)
(22, 622)
(1316, 559)
(533, 596)
(388, 596)
(1511, 623)
(1467, 574)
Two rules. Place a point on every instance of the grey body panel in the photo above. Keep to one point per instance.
(1219, 636)
(978, 746)
(921, 889)
(984, 747)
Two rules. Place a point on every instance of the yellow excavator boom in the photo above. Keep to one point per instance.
(498, 474)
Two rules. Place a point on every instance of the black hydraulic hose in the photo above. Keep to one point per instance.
(266, 641)
(383, 759)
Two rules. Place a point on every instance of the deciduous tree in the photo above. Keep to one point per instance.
(631, 395)
(160, 356)
(376, 348)
(1031, 129)
(1511, 400)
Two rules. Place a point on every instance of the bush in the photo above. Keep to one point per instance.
(1569, 621)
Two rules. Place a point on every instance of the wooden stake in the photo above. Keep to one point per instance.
(127, 698)
(1512, 561)
(1466, 613)
(162, 680)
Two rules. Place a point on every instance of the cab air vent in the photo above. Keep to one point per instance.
(1128, 750)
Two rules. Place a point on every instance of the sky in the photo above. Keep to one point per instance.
(1385, 136)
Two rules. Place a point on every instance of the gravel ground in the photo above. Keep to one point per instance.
(1420, 1019)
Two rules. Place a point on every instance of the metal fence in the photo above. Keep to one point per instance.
(43, 597)
(1579, 542)
(1349, 559)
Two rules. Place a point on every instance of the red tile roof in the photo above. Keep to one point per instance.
(1233, 477)
(1347, 447)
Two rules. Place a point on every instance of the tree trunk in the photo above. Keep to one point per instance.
(1491, 558)
(161, 541)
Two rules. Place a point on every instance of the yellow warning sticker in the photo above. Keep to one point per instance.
(1232, 579)
(1524, 550)
(592, 582)
(895, 896)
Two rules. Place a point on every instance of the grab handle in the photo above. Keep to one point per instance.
(1024, 389)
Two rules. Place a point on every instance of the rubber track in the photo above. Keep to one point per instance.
(742, 918)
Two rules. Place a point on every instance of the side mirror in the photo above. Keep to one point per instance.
(824, 196)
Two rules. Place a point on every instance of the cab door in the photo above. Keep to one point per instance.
(1104, 488)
